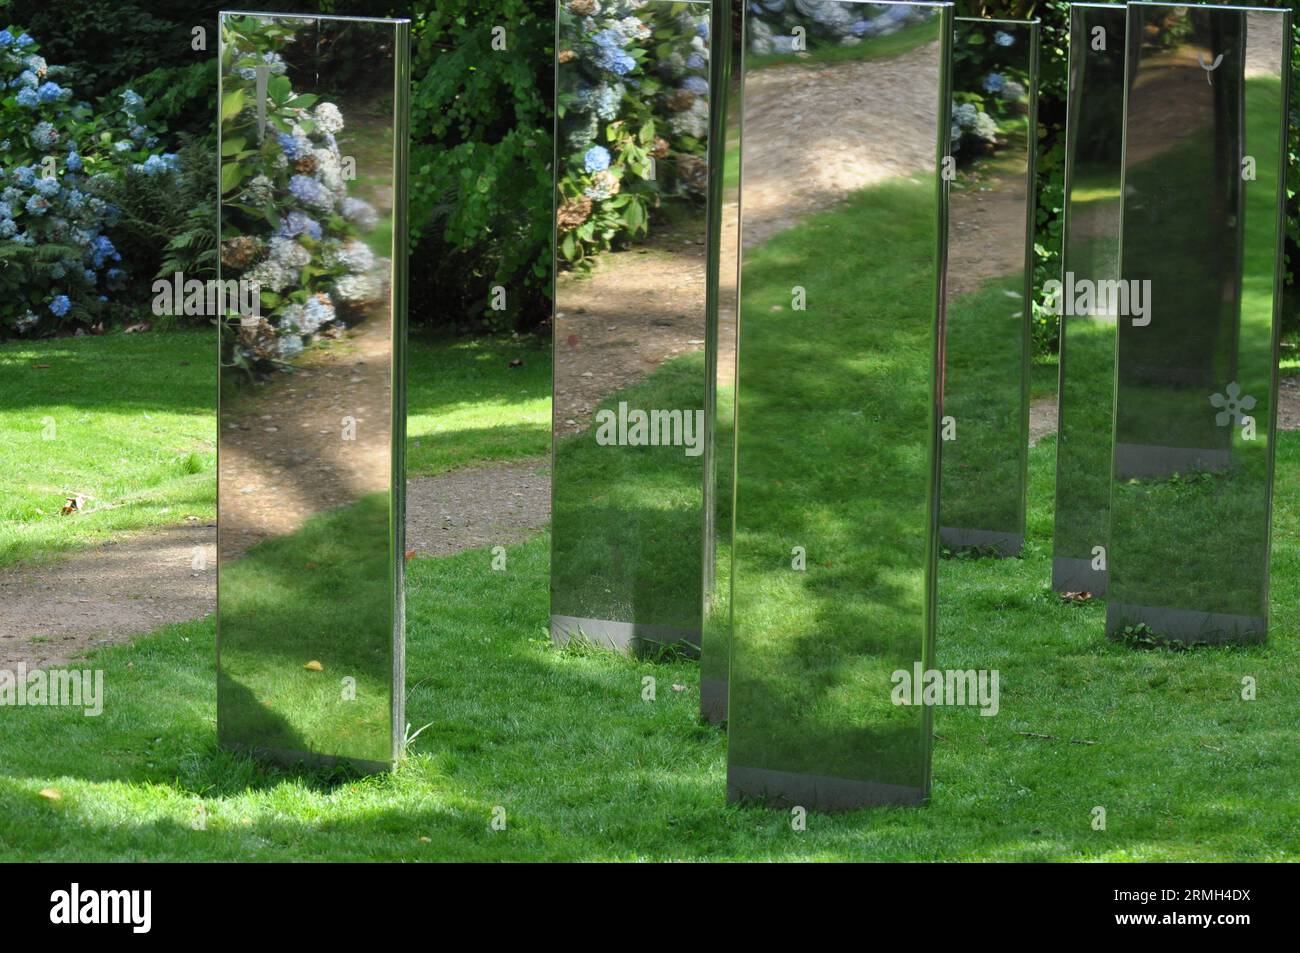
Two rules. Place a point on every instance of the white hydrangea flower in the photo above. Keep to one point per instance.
(356, 289)
(269, 275)
(288, 253)
(328, 118)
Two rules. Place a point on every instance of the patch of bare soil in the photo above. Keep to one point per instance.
(986, 233)
(477, 507)
(810, 160)
(616, 323)
(56, 612)
(283, 456)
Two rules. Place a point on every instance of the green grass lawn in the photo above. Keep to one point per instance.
(587, 770)
(469, 406)
(134, 428)
(126, 420)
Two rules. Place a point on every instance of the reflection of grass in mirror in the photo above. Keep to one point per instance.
(1083, 491)
(834, 412)
(629, 518)
(131, 427)
(587, 770)
(982, 484)
(468, 406)
(1198, 542)
(318, 595)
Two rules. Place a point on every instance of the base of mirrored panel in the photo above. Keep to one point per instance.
(1187, 626)
(1003, 544)
(713, 701)
(1136, 460)
(306, 759)
(786, 789)
(621, 636)
(1077, 575)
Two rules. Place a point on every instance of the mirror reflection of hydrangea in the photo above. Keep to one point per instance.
(633, 111)
(288, 222)
(58, 157)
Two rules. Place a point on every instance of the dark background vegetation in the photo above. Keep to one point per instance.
(481, 137)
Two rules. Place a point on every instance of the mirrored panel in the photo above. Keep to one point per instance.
(630, 303)
(1196, 381)
(720, 421)
(313, 139)
(1094, 139)
(846, 117)
(985, 426)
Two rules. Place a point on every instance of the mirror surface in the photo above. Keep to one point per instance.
(1089, 259)
(630, 375)
(1196, 366)
(846, 116)
(311, 416)
(985, 427)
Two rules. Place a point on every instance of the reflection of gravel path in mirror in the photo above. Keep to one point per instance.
(477, 507)
(282, 455)
(619, 322)
(810, 160)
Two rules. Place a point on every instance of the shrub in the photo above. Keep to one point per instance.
(60, 158)
(633, 106)
(288, 223)
(480, 186)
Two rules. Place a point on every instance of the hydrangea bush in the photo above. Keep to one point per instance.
(833, 23)
(288, 222)
(633, 111)
(993, 91)
(57, 158)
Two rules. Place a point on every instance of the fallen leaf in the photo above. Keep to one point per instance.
(678, 688)
(1076, 596)
(52, 794)
(136, 328)
(314, 666)
(410, 554)
(41, 366)
(425, 840)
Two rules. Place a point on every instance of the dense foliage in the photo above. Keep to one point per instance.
(60, 159)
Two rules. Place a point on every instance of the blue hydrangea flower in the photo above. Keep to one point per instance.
(610, 54)
(123, 145)
(60, 305)
(74, 161)
(7, 228)
(695, 61)
(27, 98)
(132, 102)
(24, 176)
(310, 192)
(25, 40)
(294, 148)
(596, 159)
(993, 83)
(44, 136)
(38, 205)
(299, 223)
(47, 187)
(697, 85)
(1003, 39)
(6, 39)
(52, 92)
